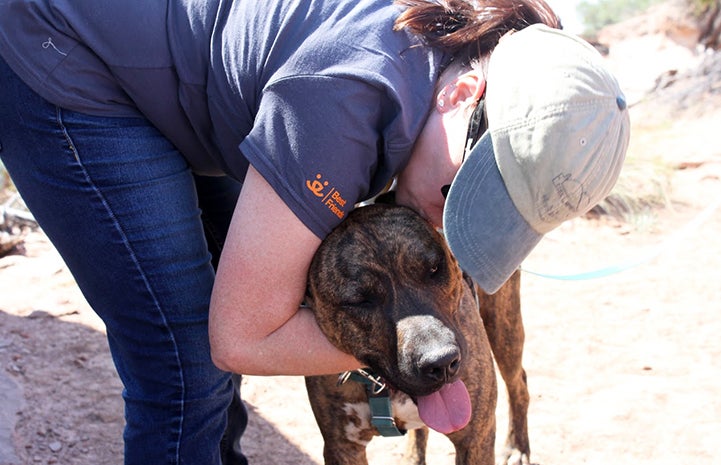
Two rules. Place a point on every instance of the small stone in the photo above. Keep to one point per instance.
(55, 446)
(39, 314)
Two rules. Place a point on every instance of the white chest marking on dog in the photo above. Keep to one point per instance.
(360, 414)
(404, 410)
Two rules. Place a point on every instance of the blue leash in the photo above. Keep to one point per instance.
(671, 241)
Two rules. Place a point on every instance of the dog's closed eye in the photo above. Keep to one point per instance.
(360, 304)
(361, 299)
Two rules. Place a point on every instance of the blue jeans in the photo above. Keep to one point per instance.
(140, 234)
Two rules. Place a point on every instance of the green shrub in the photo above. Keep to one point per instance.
(596, 14)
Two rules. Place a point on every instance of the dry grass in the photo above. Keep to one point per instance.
(642, 188)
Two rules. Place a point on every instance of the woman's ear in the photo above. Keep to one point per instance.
(463, 90)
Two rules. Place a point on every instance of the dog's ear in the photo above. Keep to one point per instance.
(471, 284)
(469, 280)
(388, 198)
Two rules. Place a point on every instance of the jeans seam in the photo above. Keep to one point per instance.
(212, 235)
(133, 257)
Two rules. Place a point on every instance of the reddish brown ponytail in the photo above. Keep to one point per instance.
(468, 29)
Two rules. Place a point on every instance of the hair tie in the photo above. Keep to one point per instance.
(450, 24)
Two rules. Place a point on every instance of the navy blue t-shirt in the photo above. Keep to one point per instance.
(322, 97)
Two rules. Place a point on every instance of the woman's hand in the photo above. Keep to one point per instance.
(256, 324)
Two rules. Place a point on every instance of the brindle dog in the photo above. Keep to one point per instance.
(385, 288)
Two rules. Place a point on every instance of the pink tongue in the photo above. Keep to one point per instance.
(446, 410)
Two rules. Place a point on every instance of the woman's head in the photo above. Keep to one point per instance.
(467, 31)
(558, 130)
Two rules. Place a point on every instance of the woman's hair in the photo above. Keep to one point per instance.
(469, 30)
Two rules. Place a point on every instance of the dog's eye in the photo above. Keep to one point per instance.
(436, 266)
(361, 300)
(365, 304)
(435, 273)
(361, 292)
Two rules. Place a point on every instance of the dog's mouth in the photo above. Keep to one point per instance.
(429, 371)
(446, 410)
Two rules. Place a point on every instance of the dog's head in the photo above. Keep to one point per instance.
(385, 288)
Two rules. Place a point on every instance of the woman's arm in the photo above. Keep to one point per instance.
(256, 325)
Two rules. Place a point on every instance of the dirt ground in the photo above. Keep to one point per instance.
(624, 364)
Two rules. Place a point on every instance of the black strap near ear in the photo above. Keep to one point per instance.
(476, 126)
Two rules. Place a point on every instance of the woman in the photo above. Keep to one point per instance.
(131, 128)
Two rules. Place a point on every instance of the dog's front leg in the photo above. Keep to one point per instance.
(501, 313)
(476, 448)
(415, 453)
(345, 454)
(343, 417)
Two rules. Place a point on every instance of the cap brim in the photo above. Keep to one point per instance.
(483, 228)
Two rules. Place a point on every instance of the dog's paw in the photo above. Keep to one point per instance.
(514, 457)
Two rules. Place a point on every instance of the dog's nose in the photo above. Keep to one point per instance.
(440, 365)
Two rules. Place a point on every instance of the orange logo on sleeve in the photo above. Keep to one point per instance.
(331, 197)
(316, 186)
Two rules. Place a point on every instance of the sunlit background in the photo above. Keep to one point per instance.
(566, 9)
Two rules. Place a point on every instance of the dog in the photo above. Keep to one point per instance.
(385, 288)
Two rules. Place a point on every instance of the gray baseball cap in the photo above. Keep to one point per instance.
(558, 130)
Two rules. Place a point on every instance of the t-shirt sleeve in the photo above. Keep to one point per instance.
(317, 141)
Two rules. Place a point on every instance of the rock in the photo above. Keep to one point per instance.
(55, 446)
